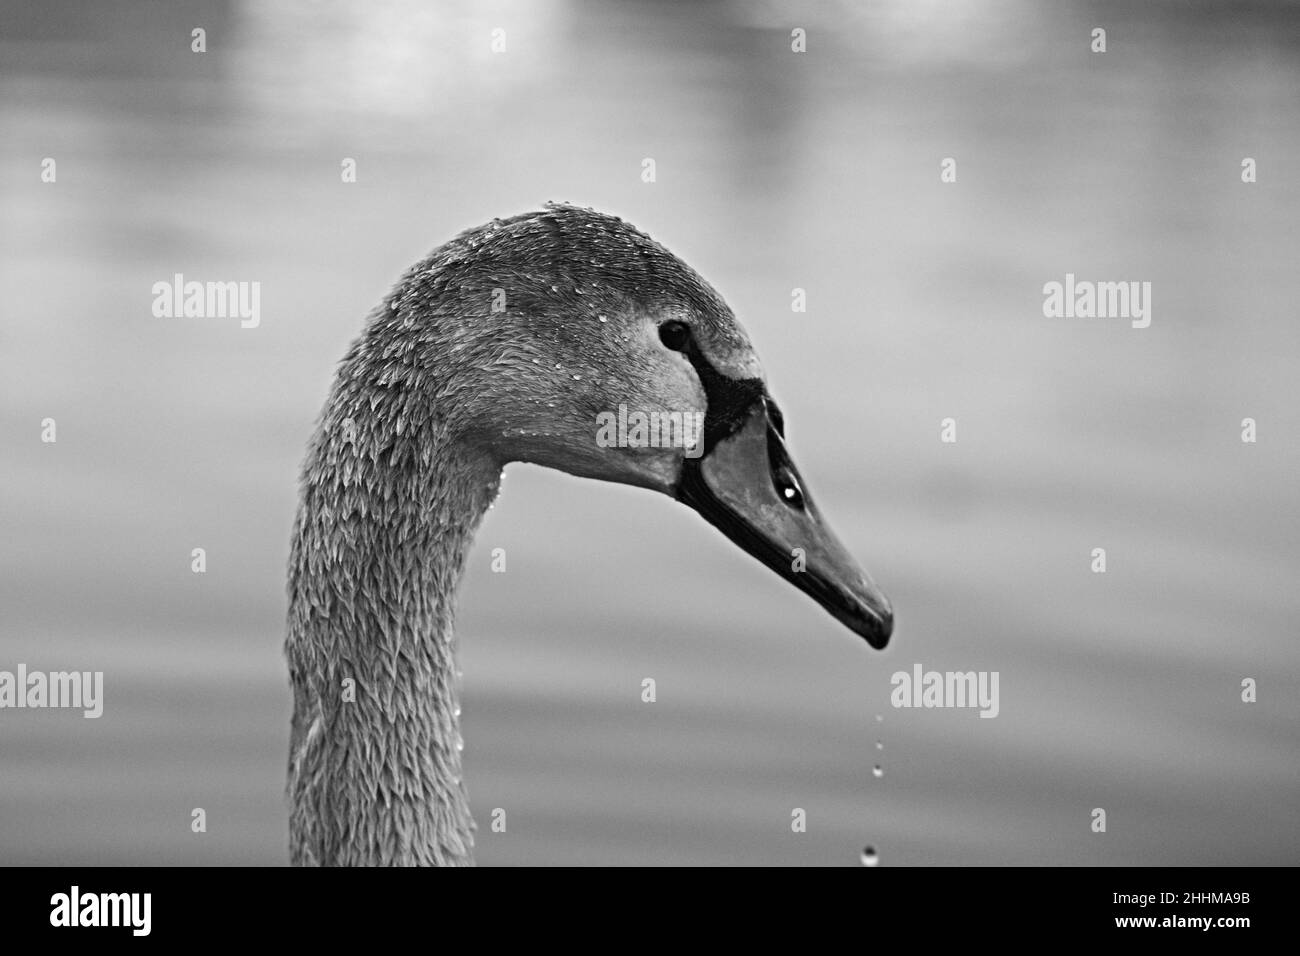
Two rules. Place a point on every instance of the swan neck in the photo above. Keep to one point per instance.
(390, 503)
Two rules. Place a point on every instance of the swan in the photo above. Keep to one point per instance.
(505, 344)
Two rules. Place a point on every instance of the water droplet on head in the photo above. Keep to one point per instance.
(577, 378)
(869, 856)
(602, 318)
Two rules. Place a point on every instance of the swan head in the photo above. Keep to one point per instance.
(569, 339)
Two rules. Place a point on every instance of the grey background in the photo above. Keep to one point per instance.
(775, 170)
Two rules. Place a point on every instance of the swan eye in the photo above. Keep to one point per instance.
(788, 487)
(675, 335)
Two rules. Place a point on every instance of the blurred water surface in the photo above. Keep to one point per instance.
(775, 171)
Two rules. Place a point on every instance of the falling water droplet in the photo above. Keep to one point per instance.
(869, 856)
(460, 744)
(456, 712)
(879, 718)
(880, 745)
(877, 771)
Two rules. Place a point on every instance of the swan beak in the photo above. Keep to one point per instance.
(746, 486)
